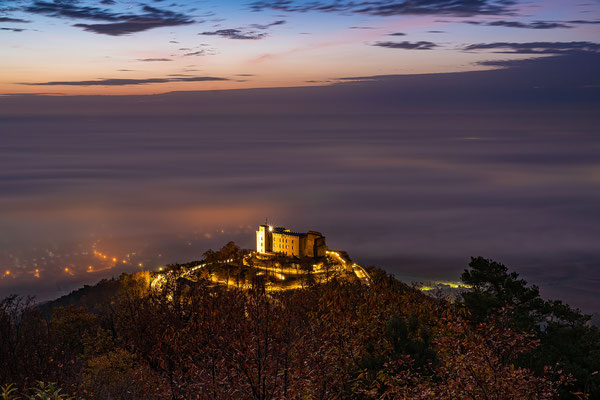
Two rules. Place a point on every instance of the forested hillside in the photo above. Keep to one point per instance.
(334, 340)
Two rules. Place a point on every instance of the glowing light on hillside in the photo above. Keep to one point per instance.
(115, 259)
(359, 271)
(280, 276)
(441, 284)
(290, 274)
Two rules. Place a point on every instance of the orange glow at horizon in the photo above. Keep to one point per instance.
(308, 64)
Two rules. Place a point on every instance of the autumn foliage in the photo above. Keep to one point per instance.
(340, 340)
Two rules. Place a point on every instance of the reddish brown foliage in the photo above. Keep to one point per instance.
(338, 340)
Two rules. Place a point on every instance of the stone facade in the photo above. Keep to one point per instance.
(271, 240)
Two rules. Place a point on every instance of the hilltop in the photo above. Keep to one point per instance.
(230, 266)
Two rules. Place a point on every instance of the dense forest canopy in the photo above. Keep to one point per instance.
(339, 339)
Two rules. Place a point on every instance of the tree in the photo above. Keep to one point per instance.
(493, 288)
(118, 375)
(232, 253)
(564, 333)
(25, 342)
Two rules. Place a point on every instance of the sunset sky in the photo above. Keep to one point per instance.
(143, 47)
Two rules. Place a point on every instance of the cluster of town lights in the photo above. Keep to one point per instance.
(113, 259)
(8, 274)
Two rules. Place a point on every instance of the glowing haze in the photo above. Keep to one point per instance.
(142, 47)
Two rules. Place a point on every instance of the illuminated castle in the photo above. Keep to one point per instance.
(270, 240)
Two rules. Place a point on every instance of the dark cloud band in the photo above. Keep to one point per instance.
(392, 7)
(154, 59)
(13, 29)
(423, 45)
(13, 20)
(115, 24)
(536, 47)
(237, 34)
(524, 25)
(125, 82)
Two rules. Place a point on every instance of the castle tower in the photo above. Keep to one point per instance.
(264, 239)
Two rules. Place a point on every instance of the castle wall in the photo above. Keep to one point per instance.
(283, 241)
(286, 244)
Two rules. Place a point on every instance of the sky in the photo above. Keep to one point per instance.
(105, 47)
(413, 135)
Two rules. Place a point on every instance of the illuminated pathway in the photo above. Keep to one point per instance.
(319, 273)
(357, 269)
